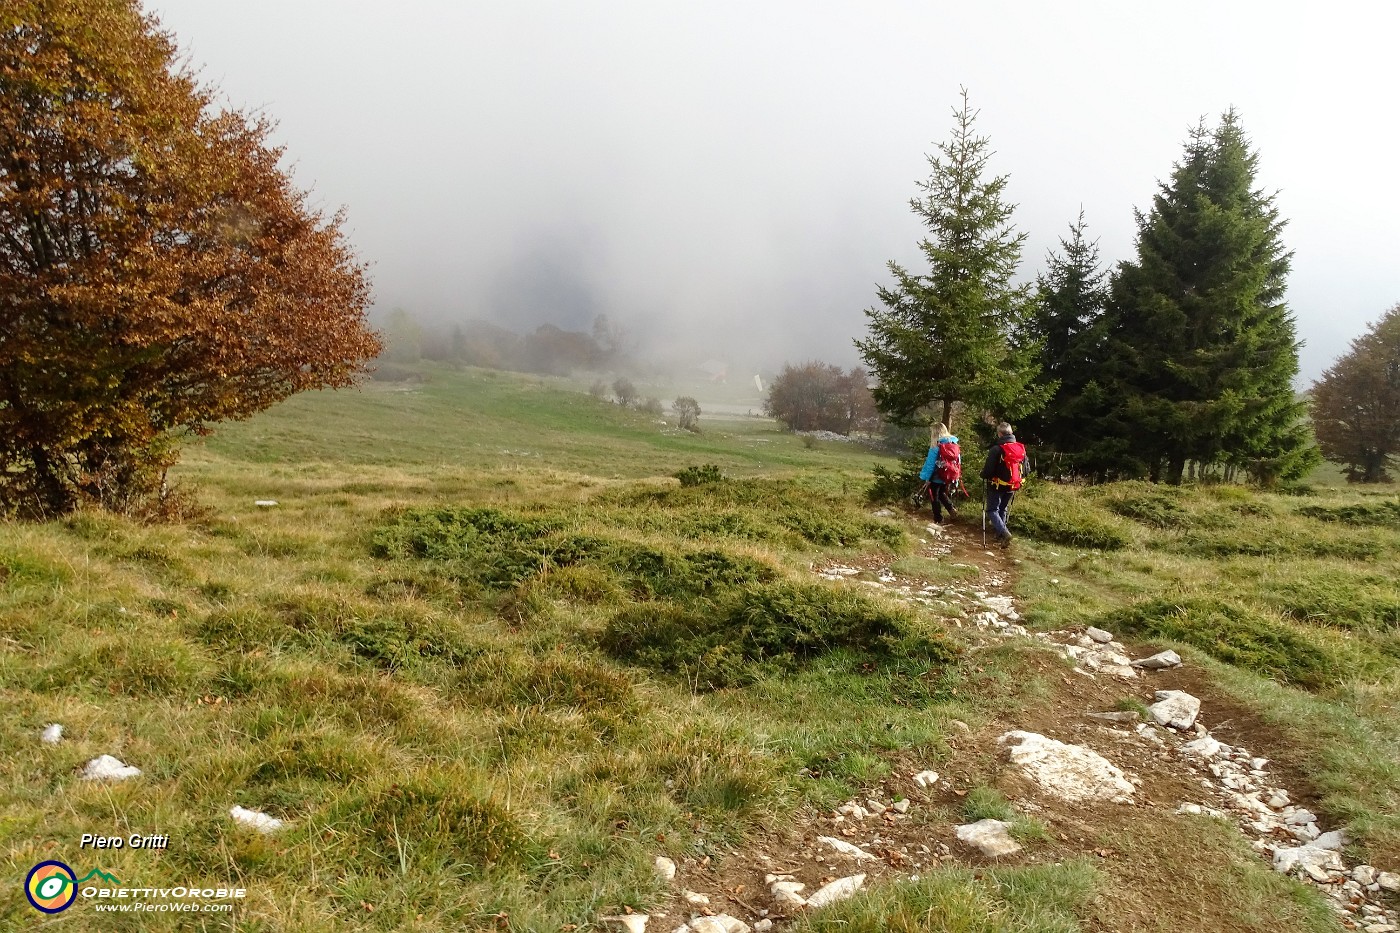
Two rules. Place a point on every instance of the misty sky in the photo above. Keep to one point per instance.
(732, 177)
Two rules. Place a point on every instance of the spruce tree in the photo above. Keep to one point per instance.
(949, 334)
(1070, 297)
(1201, 349)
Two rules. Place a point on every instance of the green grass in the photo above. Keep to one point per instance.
(409, 659)
(488, 656)
(1296, 596)
(1043, 899)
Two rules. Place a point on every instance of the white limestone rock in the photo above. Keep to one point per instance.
(845, 848)
(1099, 635)
(631, 923)
(926, 778)
(1206, 748)
(1070, 772)
(838, 890)
(52, 734)
(1299, 817)
(255, 819)
(107, 768)
(1389, 881)
(786, 891)
(719, 923)
(1287, 859)
(1175, 709)
(696, 900)
(665, 868)
(1333, 840)
(1160, 661)
(990, 837)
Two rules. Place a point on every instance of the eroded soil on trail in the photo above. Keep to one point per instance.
(1162, 870)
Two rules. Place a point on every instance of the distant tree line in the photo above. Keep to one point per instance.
(548, 349)
(1176, 364)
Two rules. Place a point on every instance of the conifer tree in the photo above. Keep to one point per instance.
(1201, 349)
(947, 335)
(1356, 404)
(1070, 300)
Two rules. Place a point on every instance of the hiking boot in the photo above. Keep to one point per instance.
(1004, 542)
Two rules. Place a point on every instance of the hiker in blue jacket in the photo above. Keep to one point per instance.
(941, 477)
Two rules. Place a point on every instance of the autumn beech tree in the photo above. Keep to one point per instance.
(1356, 404)
(159, 272)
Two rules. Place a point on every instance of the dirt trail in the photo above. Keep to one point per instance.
(1159, 874)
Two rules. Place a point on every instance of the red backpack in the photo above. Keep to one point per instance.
(949, 465)
(1013, 454)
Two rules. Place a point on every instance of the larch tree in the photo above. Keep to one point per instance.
(1356, 404)
(159, 272)
(952, 333)
(1201, 349)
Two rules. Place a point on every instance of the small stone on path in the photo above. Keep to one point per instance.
(845, 848)
(1175, 709)
(632, 923)
(838, 890)
(1099, 635)
(719, 923)
(926, 778)
(53, 734)
(1159, 661)
(665, 868)
(1206, 747)
(990, 837)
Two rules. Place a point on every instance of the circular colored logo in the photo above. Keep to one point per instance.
(51, 887)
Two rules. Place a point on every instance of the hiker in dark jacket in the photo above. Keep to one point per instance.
(943, 446)
(1002, 472)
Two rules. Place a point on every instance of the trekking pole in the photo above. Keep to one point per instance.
(984, 521)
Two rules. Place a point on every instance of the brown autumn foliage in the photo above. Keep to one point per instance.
(159, 272)
(1356, 404)
(820, 397)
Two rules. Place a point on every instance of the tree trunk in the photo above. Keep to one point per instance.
(55, 498)
(948, 414)
(1175, 466)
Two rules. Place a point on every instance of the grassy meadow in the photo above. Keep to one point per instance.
(488, 658)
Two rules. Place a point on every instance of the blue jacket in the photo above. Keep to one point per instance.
(927, 474)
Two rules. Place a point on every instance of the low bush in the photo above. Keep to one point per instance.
(1067, 519)
(1148, 504)
(1235, 635)
(1269, 539)
(1385, 513)
(1338, 599)
(780, 626)
(700, 475)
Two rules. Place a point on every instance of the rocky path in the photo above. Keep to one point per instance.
(1077, 765)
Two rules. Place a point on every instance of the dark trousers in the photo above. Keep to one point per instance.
(938, 492)
(998, 503)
